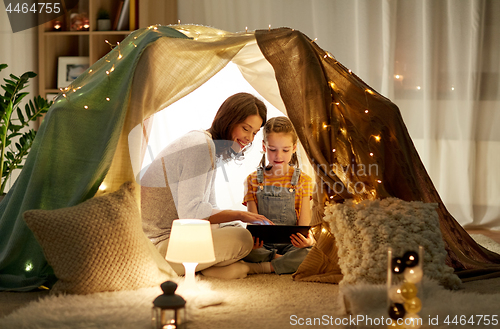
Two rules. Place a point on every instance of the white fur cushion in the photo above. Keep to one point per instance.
(364, 231)
(98, 245)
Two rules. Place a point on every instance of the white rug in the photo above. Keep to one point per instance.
(258, 301)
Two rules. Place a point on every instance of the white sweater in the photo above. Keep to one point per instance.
(190, 167)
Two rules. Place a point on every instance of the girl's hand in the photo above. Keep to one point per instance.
(300, 241)
(257, 244)
(253, 218)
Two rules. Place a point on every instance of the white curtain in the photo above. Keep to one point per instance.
(438, 60)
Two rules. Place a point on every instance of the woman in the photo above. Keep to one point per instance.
(180, 184)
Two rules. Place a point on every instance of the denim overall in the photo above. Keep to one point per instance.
(277, 203)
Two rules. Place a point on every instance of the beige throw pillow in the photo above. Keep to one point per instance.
(364, 231)
(98, 245)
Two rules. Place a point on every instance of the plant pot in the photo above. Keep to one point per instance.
(103, 24)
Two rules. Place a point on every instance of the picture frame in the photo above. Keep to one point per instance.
(69, 68)
(50, 96)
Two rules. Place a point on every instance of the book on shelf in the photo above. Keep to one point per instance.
(118, 14)
(124, 19)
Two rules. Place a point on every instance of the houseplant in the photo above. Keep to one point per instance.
(103, 20)
(16, 137)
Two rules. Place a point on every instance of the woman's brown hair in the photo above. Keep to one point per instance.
(280, 125)
(234, 110)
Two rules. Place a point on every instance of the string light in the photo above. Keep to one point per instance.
(178, 21)
(334, 150)
(109, 43)
(269, 27)
(377, 138)
(86, 107)
(379, 181)
(418, 87)
(314, 40)
(366, 111)
(370, 91)
(107, 98)
(350, 71)
(371, 154)
(246, 29)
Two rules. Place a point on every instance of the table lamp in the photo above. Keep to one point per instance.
(190, 243)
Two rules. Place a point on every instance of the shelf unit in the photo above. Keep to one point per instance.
(91, 43)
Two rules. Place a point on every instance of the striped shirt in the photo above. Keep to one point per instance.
(303, 189)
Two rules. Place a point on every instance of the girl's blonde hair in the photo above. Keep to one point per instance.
(280, 125)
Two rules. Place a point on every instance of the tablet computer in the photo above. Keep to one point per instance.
(276, 233)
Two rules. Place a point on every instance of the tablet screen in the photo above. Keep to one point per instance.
(276, 233)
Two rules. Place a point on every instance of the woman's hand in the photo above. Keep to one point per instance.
(300, 241)
(253, 218)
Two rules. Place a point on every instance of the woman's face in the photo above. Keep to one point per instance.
(244, 132)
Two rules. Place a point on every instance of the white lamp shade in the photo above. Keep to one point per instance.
(190, 242)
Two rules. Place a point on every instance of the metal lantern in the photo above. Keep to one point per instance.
(169, 311)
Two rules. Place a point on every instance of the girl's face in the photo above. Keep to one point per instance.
(244, 133)
(279, 148)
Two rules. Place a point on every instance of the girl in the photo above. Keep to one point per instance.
(180, 184)
(282, 193)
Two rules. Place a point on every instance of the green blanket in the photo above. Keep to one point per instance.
(70, 156)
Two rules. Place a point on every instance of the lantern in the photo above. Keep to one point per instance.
(169, 310)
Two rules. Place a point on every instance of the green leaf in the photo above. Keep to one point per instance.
(20, 115)
(2, 66)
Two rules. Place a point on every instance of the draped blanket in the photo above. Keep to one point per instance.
(355, 138)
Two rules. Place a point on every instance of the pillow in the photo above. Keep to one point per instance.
(98, 245)
(363, 232)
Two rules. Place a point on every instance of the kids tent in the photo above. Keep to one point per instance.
(83, 142)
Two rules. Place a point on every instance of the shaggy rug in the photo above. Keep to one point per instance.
(263, 301)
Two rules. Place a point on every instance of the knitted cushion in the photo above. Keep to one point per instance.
(364, 231)
(97, 245)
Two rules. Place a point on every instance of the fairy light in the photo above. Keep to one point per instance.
(28, 267)
(90, 71)
(86, 107)
(370, 91)
(178, 21)
(377, 138)
(418, 87)
(452, 88)
(246, 29)
(334, 150)
(107, 98)
(109, 43)
(379, 181)
(269, 27)
(102, 187)
(366, 111)
(371, 154)
(350, 71)
(337, 103)
(315, 39)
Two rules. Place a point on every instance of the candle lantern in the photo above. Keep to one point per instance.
(169, 311)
